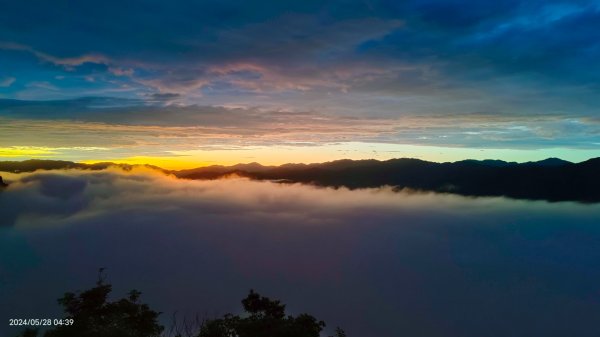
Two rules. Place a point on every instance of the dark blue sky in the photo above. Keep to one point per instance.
(508, 74)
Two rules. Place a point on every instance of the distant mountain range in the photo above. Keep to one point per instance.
(37, 164)
(551, 179)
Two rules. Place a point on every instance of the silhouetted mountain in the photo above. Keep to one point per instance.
(488, 162)
(550, 162)
(218, 171)
(38, 164)
(34, 164)
(551, 179)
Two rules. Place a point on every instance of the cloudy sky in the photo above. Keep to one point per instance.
(183, 83)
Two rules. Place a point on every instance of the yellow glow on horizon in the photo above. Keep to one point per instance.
(169, 163)
(282, 154)
(278, 155)
(24, 151)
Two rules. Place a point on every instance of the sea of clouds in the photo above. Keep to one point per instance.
(375, 261)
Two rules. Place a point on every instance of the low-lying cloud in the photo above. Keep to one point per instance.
(376, 262)
(62, 197)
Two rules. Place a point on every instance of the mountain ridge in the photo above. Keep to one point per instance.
(550, 179)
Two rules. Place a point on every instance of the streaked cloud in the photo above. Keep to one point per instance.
(67, 62)
(185, 136)
(7, 81)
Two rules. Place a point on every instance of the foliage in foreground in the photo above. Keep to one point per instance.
(94, 316)
(265, 317)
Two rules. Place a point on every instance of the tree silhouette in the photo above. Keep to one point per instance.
(264, 317)
(94, 315)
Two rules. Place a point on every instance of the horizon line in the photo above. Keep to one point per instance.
(125, 162)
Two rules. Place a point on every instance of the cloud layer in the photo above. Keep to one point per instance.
(527, 67)
(267, 46)
(110, 129)
(376, 262)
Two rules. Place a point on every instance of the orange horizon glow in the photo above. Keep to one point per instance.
(279, 155)
(268, 157)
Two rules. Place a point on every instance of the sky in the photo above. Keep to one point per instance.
(191, 83)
